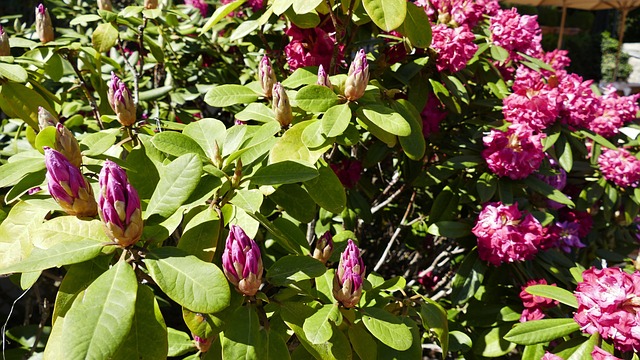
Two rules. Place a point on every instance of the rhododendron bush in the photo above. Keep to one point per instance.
(375, 179)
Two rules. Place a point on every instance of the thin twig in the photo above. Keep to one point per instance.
(334, 20)
(387, 200)
(396, 233)
(85, 87)
(4, 327)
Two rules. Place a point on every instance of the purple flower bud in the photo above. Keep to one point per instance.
(324, 247)
(323, 78)
(266, 76)
(68, 145)
(119, 205)
(105, 5)
(67, 185)
(121, 101)
(5, 50)
(241, 262)
(281, 105)
(357, 78)
(45, 118)
(202, 344)
(347, 284)
(44, 27)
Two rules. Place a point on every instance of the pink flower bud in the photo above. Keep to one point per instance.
(44, 27)
(45, 118)
(121, 101)
(241, 262)
(105, 5)
(266, 76)
(281, 105)
(150, 4)
(119, 205)
(357, 78)
(5, 50)
(347, 284)
(324, 247)
(323, 78)
(67, 185)
(67, 144)
(202, 344)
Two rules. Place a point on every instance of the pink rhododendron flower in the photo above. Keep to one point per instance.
(533, 304)
(516, 33)
(620, 167)
(599, 354)
(614, 111)
(432, 115)
(455, 47)
(549, 356)
(516, 153)
(458, 12)
(579, 103)
(201, 5)
(311, 47)
(538, 107)
(505, 236)
(558, 59)
(609, 303)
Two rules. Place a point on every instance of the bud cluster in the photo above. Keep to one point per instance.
(121, 101)
(358, 77)
(241, 262)
(67, 185)
(347, 283)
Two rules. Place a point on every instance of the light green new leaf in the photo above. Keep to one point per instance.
(180, 343)
(98, 322)
(305, 6)
(293, 268)
(336, 120)
(148, 328)
(248, 200)
(317, 328)
(177, 182)
(242, 341)
(227, 95)
(245, 28)
(12, 172)
(15, 231)
(389, 329)
(312, 136)
(97, 143)
(256, 111)
(201, 233)
(291, 147)
(104, 37)
(13, 72)
(362, 342)
(285, 172)
(302, 76)
(541, 331)
(555, 293)
(386, 119)
(387, 14)
(220, 14)
(176, 144)
(417, 26)
(316, 98)
(205, 132)
(64, 253)
(280, 6)
(197, 285)
(84, 19)
(327, 190)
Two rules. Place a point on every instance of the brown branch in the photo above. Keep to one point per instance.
(85, 87)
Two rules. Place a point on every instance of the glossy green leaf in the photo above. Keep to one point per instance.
(290, 147)
(305, 6)
(201, 234)
(176, 144)
(386, 119)
(417, 26)
(242, 341)
(84, 19)
(67, 229)
(197, 285)
(302, 76)
(387, 14)
(450, 229)
(279, 236)
(295, 201)
(336, 120)
(245, 28)
(205, 132)
(220, 13)
(312, 136)
(555, 293)
(15, 230)
(318, 327)
(549, 191)
(280, 6)
(180, 343)
(294, 268)
(387, 328)
(565, 155)
(104, 37)
(13, 72)
(19, 101)
(413, 145)
(327, 190)
(578, 348)
(468, 278)
(434, 318)
(258, 112)
(156, 93)
(362, 342)
(316, 98)
(227, 95)
(285, 172)
(178, 181)
(541, 331)
(12, 172)
(308, 20)
(97, 143)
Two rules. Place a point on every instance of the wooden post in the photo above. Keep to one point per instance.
(562, 22)
(621, 28)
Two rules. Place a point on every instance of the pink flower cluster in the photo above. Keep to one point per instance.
(455, 47)
(504, 235)
(432, 115)
(516, 153)
(516, 33)
(614, 111)
(533, 304)
(550, 356)
(599, 354)
(579, 103)
(609, 304)
(458, 12)
(620, 167)
(311, 47)
(201, 5)
(533, 102)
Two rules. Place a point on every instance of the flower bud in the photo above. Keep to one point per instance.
(119, 205)
(150, 4)
(105, 5)
(241, 262)
(323, 78)
(67, 185)
(357, 78)
(347, 284)
(324, 247)
(202, 344)
(45, 118)
(237, 175)
(266, 76)
(5, 50)
(281, 105)
(67, 144)
(44, 28)
(121, 101)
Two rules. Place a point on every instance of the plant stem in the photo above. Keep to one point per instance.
(85, 87)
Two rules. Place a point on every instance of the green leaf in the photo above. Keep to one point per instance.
(180, 343)
(599, 139)
(285, 172)
(245, 28)
(98, 322)
(104, 37)
(413, 145)
(541, 331)
(280, 6)
(19, 101)
(555, 293)
(434, 318)
(302, 76)
(499, 53)
(293, 268)
(155, 94)
(490, 343)
(291, 147)
(305, 6)
(15, 230)
(312, 136)
(468, 278)
(362, 342)
(565, 155)
(316, 98)
(417, 26)
(197, 285)
(578, 348)
(97, 143)
(248, 200)
(67, 229)
(220, 13)
(386, 119)
(84, 19)
(487, 185)
(387, 14)
(327, 190)
(317, 328)
(178, 181)
(280, 237)
(547, 190)
(460, 341)
(533, 352)
(308, 20)
(242, 341)
(12, 172)
(201, 233)
(176, 144)
(295, 201)
(389, 329)
(13, 72)
(256, 111)
(227, 95)
(148, 328)
(205, 132)
(450, 229)
(336, 120)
